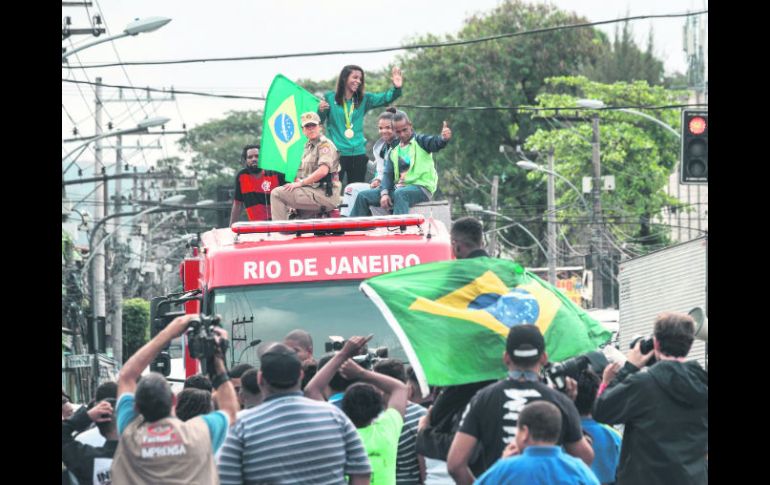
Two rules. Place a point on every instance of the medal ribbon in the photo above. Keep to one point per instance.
(348, 114)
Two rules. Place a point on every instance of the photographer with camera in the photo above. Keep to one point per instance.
(664, 409)
(491, 416)
(155, 446)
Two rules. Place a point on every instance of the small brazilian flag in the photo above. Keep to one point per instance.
(282, 138)
(453, 317)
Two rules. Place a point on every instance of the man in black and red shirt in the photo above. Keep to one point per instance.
(253, 186)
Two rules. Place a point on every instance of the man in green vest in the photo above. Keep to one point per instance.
(410, 165)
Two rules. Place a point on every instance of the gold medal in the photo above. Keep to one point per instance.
(349, 133)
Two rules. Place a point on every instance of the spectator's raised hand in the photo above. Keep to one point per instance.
(610, 372)
(354, 345)
(351, 371)
(101, 413)
(323, 105)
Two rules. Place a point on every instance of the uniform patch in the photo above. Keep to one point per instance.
(324, 149)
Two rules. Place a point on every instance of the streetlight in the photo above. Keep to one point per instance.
(141, 127)
(598, 104)
(527, 165)
(134, 28)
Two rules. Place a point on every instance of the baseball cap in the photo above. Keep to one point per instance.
(310, 117)
(525, 341)
(281, 367)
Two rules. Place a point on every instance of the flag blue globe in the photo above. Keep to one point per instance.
(284, 127)
(514, 308)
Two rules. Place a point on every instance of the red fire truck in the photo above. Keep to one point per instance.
(266, 279)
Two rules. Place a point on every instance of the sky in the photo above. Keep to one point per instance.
(228, 28)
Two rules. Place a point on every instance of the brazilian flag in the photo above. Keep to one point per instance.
(453, 317)
(282, 139)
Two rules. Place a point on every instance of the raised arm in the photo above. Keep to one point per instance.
(133, 368)
(397, 391)
(324, 375)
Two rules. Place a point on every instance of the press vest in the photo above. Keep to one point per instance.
(168, 451)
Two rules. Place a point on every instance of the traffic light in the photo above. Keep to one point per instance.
(694, 168)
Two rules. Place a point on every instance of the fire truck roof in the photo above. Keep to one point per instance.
(345, 250)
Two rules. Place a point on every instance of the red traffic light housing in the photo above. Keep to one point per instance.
(694, 160)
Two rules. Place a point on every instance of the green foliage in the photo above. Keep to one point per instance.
(136, 325)
(504, 72)
(639, 153)
(318, 87)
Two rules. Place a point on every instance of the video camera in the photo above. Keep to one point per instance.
(202, 341)
(371, 357)
(558, 372)
(366, 359)
(334, 344)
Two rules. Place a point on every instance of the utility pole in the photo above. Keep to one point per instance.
(493, 234)
(597, 251)
(116, 288)
(114, 335)
(97, 267)
(551, 218)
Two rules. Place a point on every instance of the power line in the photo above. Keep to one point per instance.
(467, 108)
(115, 50)
(557, 108)
(400, 48)
(171, 91)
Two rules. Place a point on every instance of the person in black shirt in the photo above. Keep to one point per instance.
(467, 238)
(664, 409)
(90, 464)
(492, 415)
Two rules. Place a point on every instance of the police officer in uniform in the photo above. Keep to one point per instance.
(317, 185)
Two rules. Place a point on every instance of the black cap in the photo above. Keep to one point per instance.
(281, 367)
(525, 342)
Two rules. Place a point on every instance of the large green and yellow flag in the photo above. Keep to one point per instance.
(453, 317)
(282, 138)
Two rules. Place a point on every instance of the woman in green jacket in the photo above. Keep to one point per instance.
(343, 113)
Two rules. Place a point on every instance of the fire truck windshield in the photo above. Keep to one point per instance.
(324, 309)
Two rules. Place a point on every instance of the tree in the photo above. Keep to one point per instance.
(499, 73)
(623, 60)
(639, 153)
(136, 325)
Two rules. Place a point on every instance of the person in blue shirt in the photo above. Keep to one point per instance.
(534, 458)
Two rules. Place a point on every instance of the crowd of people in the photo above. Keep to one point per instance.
(405, 170)
(294, 420)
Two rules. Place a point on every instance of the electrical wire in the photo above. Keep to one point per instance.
(400, 48)
(172, 91)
